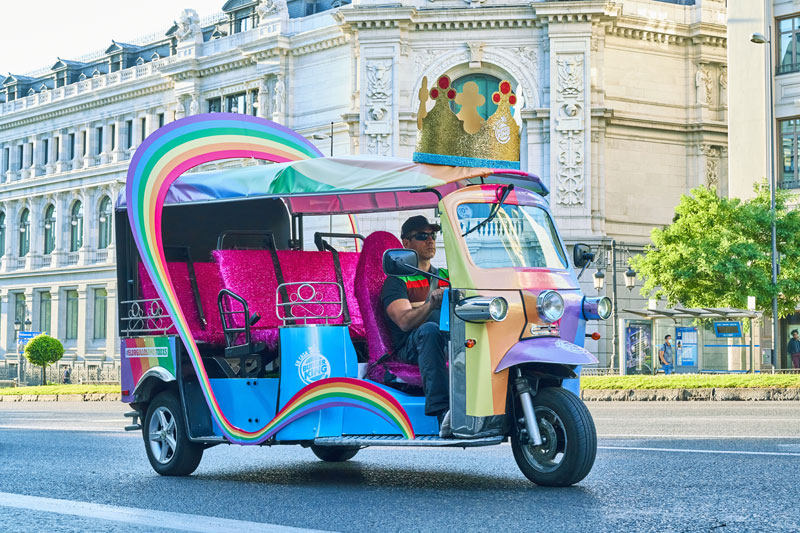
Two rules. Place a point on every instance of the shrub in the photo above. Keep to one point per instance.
(43, 350)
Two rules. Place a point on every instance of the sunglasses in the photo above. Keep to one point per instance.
(423, 236)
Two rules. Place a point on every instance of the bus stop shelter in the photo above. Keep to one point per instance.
(704, 339)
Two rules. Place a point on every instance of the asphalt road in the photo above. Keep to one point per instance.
(683, 467)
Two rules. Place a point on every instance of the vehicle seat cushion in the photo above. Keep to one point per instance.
(251, 275)
(209, 284)
(368, 284)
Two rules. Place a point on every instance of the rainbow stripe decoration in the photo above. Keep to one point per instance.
(157, 163)
(337, 392)
(144, 353)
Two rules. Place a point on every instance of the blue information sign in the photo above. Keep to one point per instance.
(728, 329)
(24, 336)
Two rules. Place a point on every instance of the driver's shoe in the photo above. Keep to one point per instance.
(445, 428)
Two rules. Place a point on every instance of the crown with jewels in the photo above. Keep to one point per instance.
(466, 139)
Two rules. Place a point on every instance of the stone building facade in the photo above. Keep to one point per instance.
(622, 109)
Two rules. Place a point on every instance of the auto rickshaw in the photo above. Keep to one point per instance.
(232, 333)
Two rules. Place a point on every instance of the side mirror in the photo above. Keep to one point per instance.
(582, 255)
(400, 262)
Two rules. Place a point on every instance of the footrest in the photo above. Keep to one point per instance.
(395, 440)
(135, 416)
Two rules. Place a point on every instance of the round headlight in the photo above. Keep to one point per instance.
(498, 309)
(604, 307)
(550, 305)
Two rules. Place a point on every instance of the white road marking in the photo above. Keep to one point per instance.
(140, 517)
(65, 428)
(683, 450)
(663, 436)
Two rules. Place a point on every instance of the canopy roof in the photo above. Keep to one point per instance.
(341, 184)
(694, 312)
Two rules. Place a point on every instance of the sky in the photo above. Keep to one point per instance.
(33, 33)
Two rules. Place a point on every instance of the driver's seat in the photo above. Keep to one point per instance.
(369, 280)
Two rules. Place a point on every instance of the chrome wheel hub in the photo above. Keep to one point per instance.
(548, 456)
(163, 435)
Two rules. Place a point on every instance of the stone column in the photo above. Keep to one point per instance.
(6, 324)
(77, 156)
(36, 228)
(53, 156)
(112, 341)
(62, 225)
(136, 132)
(88, 212)
(12, 155)
(83, 326)
(88, 157)
(62, 165)
(105, 153)
(3, 161)
(12, 230)
(55, 312)
(36, 156)
(119, 134)
(152, 121)
(27, 148)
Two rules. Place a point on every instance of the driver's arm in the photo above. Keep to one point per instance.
(407, 317)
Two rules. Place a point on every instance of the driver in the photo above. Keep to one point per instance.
(412, 304)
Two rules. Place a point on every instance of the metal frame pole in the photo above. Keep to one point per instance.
(616, 355)
(772, 186)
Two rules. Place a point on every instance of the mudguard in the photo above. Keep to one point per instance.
(546, 350)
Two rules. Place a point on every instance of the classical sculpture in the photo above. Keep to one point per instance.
(702, 81)
(279, 97)
(188, 25)
(270, 8)
(194, 106)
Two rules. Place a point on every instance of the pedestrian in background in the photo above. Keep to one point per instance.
(665, 355)
(67, 374)
(794, 349)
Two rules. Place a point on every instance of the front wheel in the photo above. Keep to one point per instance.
(335, 454)
(169, 449)
(569, 440)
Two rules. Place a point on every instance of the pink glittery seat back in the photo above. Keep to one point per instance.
(251, 275)
(368, 284)
(209, 284)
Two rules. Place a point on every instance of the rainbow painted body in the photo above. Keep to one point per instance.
(158, 162)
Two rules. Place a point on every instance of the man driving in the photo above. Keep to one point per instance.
(412, 304)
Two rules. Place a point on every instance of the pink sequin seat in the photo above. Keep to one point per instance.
(312, 266)
(368, 284)
(209, 284)
(251, 275)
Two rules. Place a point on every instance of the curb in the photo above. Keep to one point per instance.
(94, 397)
(677, 395)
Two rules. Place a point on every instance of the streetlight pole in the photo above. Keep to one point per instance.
(761, 39)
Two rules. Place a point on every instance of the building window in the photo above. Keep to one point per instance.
(46, 154)
(57, 151)
(312, 7)
(789, 50)
(20, 153)
(235, 103)
(6, 156)
(2, 234)
(214, 105)
(29, 162)
(161, 120)
(49, 229)
(20, 311)
(113, 136)
(71, 150)
(45, 304)
(129, 133)
(487, 85)
(104, 226)
(24, 233)
(76, 227)
(83, 143)
(243, 20)
(143, 129)
(100, 302)
(72, 315)
(98, 149)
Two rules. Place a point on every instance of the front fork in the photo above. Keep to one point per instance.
(525, 395)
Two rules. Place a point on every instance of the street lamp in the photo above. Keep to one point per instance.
(759, 38)
(630, 278)
(27, 324)
(321, 136)
(599, 279)
(17, 326)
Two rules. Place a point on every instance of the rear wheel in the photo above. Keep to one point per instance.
(335, 454)
(168, 447)
(569, 440)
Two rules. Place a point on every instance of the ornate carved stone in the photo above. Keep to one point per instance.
(278, 98)
(194, 105)
(475, 53)
(378, 126)
(703, 83)
(188, 25)
(271, 8)
(570, 130)
(723, 86)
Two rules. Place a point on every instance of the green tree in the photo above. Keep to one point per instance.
(43, 350)
(717, 252)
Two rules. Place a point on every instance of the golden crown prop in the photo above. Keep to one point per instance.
(466, 139)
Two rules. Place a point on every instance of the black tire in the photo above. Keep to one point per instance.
(334, 454)
(562, 418)
(168, 447)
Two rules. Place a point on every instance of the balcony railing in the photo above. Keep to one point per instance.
(15, 263)
(71, 259)
(98, 256)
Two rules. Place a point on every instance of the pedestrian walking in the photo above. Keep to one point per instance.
(794, 349)
(665, 355)
(67, 374)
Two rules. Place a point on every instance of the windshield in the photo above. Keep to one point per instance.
(519, 236)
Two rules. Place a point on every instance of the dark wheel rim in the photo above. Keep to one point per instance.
(550, 455)
(163, 435)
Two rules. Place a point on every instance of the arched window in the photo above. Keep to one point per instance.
(2, 234)
(104, 228)
(76, 227)
(487, 85)
(49, 229)
(24, 233)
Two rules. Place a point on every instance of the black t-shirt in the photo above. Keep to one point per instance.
(415, 289)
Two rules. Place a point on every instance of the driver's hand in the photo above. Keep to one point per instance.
(435, 297)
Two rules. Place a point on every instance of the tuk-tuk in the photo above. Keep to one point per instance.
(233, 333)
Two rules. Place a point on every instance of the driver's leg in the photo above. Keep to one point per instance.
(426, 347)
